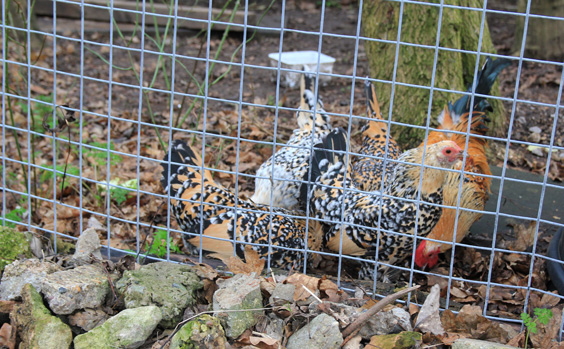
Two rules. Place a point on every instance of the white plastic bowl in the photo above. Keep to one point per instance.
(301, 60)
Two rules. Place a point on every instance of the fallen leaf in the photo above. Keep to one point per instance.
(546, 334)
(264, 342)
(353, 343)
(429, 319)
(301, 281)
(252, 264)
(7, 336)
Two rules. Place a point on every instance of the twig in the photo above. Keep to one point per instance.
(351, 330)
(313, 294)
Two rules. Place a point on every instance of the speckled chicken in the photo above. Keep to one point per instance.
(199, 204)
(389, 212)
(377, 144)
(475, 188)
(283, 172)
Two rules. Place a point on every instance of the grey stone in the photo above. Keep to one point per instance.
(88, 318)
(467, 343)
(128, 329)
(238, 293)
(203, 332)
(282, 294)
(169, 286)
(36, 326)
(535, 129)
(274, 327)
(82, 287)
(395, 320)
(321, 332)
(87, 248)
(21, 272)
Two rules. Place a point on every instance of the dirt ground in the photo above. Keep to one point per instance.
(132, 133)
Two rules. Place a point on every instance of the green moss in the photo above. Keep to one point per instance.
(203, 332)
(460, 29)
(406, 339)
(12, 245)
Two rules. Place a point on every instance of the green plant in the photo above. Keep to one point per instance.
(47, 173)
(38, 111)
(15, 215)
(543, 316)
(160, 243)
(119, 195)
(99, 153)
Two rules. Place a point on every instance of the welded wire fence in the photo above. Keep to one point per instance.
(138, 75)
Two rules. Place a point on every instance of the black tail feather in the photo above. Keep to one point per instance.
(484, 82)
(324, 155)
(180, 155)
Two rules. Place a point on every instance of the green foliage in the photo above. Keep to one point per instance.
(38, 111)
(15, 215)
(47, 173)
(99, 155)
(119, 195)
(159, 245)
(543, 316)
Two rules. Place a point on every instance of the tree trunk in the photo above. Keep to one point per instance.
(544, 36)
(460, 29)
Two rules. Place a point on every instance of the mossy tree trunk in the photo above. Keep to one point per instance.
(544, 36)
(460, 29)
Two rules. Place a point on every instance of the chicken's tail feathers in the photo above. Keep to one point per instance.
(329, 152)
(308, 103)
(372, 105)
(483, 85)
(181, 159)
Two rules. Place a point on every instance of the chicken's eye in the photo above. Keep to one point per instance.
(448, 151)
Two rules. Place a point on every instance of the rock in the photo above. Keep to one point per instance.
(401, 340)
(203, 332)
(82, 287)
(429, 319)
(238, 293)
(274, 327)
(385, 322)
(21, 272)
(322, 332)
(169, 286)
(467, 343)
(36, 326)
(88, 319)
(535, 129)
(282, 294)
(13, 245)
(128, 329)
(87, 248)
(522, 120)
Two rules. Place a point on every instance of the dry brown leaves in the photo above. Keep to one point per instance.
(252, 264)
(257, 340)
(469, 321)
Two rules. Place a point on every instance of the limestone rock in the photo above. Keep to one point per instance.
(88, 318)
(21, 272)
(238, 293)
(203, 332)
(386, 322)
(68, 290)
(128, 329)
(36, 326)
(87, 248)
(322, 332)
(169, 286)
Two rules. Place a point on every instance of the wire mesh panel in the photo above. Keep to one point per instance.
(95, 93)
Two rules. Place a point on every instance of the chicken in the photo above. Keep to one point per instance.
(356, 213)
(377, 143)
(282, 180)
(201, 205)
(475, 188)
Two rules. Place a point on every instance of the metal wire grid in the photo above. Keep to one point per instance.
(144, 11)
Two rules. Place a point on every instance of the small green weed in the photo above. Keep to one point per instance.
(543, 316)
(119, 195)
(38, 110)
(15, 215)
(158, 247)
(47, 173)
(99, 155)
